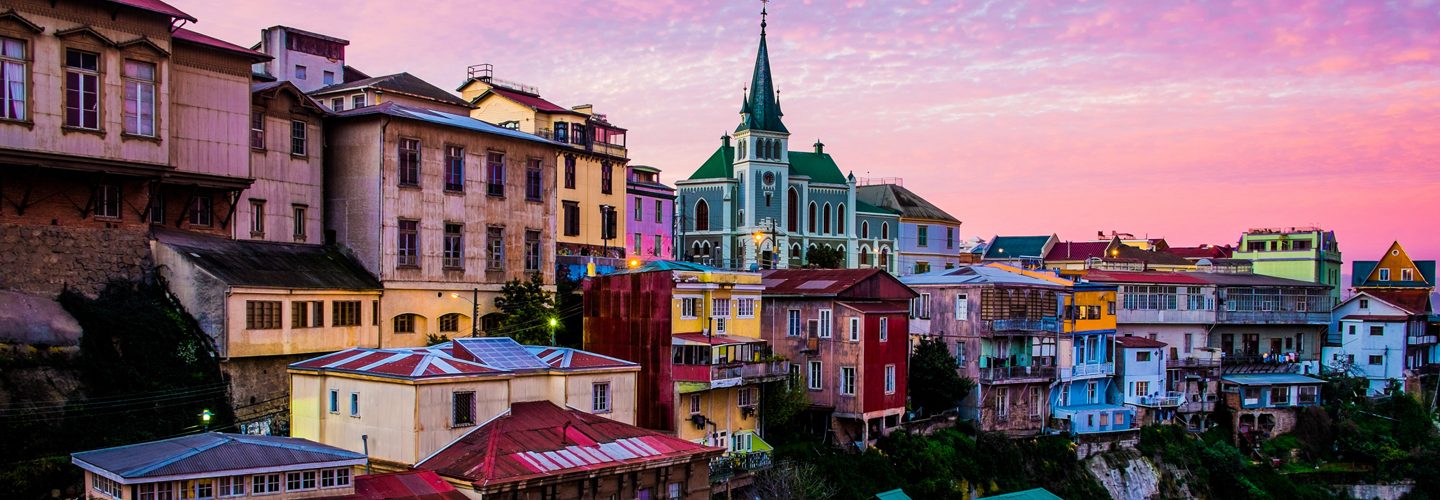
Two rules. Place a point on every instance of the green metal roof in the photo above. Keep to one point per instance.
(895, 494)
(1016, 246)
(1270, 379)
(1035, 494)
(819, 167)
(862, 207)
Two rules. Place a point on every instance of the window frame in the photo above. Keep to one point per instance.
(96, 77)
(407, 162)
(407, 243)
(7, 100)
(855, 332)
(816, 372)
(495, 174)
(847, 381)
(257, 218)
(455, 407)
(600, 398)
(452, 254)
(534, 180)
(299, 136)
(454, 168)
(141, 87)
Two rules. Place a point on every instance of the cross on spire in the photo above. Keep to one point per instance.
(763, 13)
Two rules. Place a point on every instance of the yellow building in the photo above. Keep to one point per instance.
(402, 405)
(590, 185)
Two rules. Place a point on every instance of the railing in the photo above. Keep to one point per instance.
(727, 466)
(1274, 317)
(1196, 406)
(1195, 316)
(1420, 339)
(1025, 325)
(764, 370)
(1088, 370)
(1171, 398)
(1016, 373)
(1192, 362)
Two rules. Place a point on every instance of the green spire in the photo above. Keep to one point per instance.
(763, 106)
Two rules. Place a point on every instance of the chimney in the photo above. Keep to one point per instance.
(819, 147)
(725, 140)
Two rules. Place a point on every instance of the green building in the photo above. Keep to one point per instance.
(1298, 253)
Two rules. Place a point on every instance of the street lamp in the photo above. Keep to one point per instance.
(760, 236)
(205, 416)
(553, 323)
(474, 310)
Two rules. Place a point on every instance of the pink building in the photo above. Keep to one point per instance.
(651, 208)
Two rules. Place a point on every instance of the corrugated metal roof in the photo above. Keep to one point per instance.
(979, 274)
(1270, 379)
(1032, 494)
(700, 338)
(186, 35)
(1014, 247)
(269, 264)
(1196, 278)
(476, 357)
(533, 101)
(158, 7)
(817, 282)
(905, 201)
(1077, 250)
(391, 108)
(404, 83)
(537, 439)
(1412, 301)
(1139, 342)
(212, 452)
(414, 484)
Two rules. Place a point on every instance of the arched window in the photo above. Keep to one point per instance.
(865, 255)
(741, 153)
(450, 322)
(884, 230)
(826, 217)
(792, 210)
(885, 258)
(407, 323)
(795, 251)
(812, 227)
(705, 249)
(695, 249)
(760, 148)
(702, 215)
(840, 218)
(864, 229)
(741, 217)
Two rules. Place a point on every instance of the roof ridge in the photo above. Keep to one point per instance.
(220, 439)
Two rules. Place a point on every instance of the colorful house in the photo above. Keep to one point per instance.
(401, 405)
(695, 331)
(845, 334)
(591, 158)
(1387, 332)
(651, 208)
(538, 449)
(928, 237)
(1141, 370)
(1298, 253)
(216, 465)
(1146, 255)
(1264, 405)
(1086, 398)
(877, 237)
(1020, 251)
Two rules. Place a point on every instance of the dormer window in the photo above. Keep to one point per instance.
(1407, 275)
(1384, 274)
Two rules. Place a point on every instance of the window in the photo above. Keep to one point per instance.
(672, 491)
(960, 353)
(792, 322)
(334, 478)
(257, 130)
(1364, 303)
(745, 308)
(262, 314)
(659, 210)
(949, 237)
(600, 398)
(337, 104)
(532, 251)
(357, 101)
(299, 72)
(571, 214)
(495, 174)
(453, 256)
(107, 201)
(257, 217)
(265, 483)
(354, 404)
(813, 227)
(1376, 359)
(1407, 275)
(825, 219)
(334, 401)
(328, 77)
(408, 154)
(200, 211)
(1142, 388)
(962, 307)
(607, 177)
(694, 404)
(462, 409)
(889, 379)
(230, 486)
(658, 241)
(1279, 396)
(847, 380)
(702, 215)
(405, 323)
(1307, 395)
(920, 306)
(299, 215)
(854, 329)
(840, 218)
(1189, 341)
(1377, 330)
(577, 133)
(139, 78)
(82, 89)
(1142, 356)
(884, 329)
(922, 235)
(815, 374)
(744, 397)
(824, 325)
(407, 244)
(204, 489)
(107, 486)
(688, 306)
(533, 181)
(864, 229)
(307, 314)
(297, 138)
(569, 169)
(297, 481)
(450, 322)
(495, 247)
(14, 81)
(454, 166)
(637, 209)
(1002, 402)
(922, 267)
(562, 132)
(345, 313)
(884, 230)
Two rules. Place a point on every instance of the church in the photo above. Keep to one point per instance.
(755, 204)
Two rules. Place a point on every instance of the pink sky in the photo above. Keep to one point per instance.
(1187, 120)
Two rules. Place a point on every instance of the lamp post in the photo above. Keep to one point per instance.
(474, 310)
(553, 323)
(606, 212)
(205, 416)
(767, 233)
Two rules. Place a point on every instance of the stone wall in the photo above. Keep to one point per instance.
(43, 260)
(260, 392)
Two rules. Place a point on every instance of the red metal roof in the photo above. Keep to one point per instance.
(475, 357)
(701, 338)
(158, 7)
(1376, 317)
(813, 281)
(878, 307)
(538, 439)
(1204, 252)
(1139, 342)
(1157, 277)
(1071, 250)
(533, 101)
(1412, 301)
(415, 484)
(185, 35)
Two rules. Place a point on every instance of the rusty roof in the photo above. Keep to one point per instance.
(412, 484)
(1412, 301)
(1139, 342)
(185, 35)
(269, 264)
(538, 439)
(826, 282)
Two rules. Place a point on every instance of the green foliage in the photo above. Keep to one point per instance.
(1221, 470)
(782, 403)
(527, 311)
(569, 302)
(934, 385)
(436, 339)
(825, 258)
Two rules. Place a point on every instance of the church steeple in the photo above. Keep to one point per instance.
(763, 104)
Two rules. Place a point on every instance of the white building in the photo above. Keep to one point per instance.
(1379, 340)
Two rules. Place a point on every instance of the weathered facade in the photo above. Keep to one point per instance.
(438, 243)
(651, 208)
(1298, 253)
(928, 237)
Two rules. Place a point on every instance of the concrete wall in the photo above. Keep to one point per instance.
(282, 180)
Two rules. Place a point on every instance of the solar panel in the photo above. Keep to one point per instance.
(502, 353)
(816, 284)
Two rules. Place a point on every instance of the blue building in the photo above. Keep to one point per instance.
(1086, 398)
(1265, 405)
(929, 238)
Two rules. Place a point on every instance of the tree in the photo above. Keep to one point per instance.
(528, 312)
(781, 405)
(791, 479)
(825, 258)
(934, 384)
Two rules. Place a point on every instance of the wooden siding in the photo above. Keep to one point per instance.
(284, 180)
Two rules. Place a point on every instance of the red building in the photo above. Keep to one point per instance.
(845, 332)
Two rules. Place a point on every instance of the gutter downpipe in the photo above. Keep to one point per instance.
(380, 241)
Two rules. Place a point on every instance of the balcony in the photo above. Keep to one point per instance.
(1420, 339)
(1049, 325)
(1273, 318)
(1166, 316)
(763, 371)
(1171, 398)
(735, 463)
(1088, 370)
(1198, 361)
(1016, 374)
(730, 374)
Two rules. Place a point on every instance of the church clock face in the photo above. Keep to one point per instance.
(769, 178)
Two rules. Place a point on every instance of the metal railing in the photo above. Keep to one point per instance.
(1420, 339)
(1192, 362)
(727, 466)
(1090, 369)
(764, 370)
(1008, 373)
(1273, 317)
(1051, 325)
(1171, 398)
